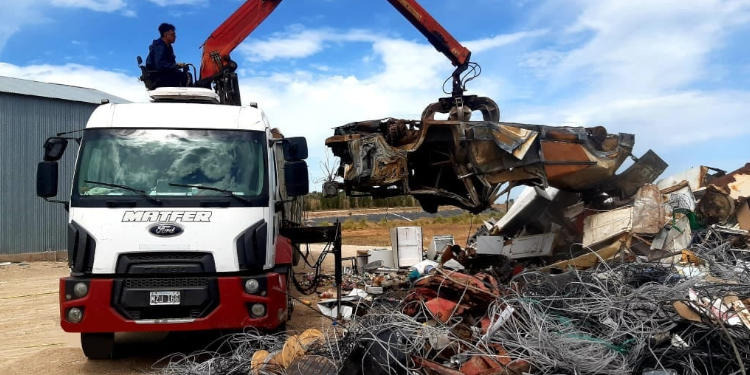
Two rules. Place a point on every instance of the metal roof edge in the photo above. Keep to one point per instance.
(20, 86)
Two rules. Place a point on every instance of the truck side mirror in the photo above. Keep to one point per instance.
(295, 148)
(296, 179)
(46, 179)
(54, 148)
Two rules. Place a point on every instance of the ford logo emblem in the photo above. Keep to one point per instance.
(165, 230)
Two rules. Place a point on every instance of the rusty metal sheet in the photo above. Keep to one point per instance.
(371, 161)
(716, 206)
(562, 159)
(648, 210)
(738, 182)
(644, 171)
(743, 216)
(341, 138)
(514, 140)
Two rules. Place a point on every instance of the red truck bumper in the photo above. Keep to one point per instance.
(231, 312)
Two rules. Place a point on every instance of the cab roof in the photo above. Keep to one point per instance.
(178, 115)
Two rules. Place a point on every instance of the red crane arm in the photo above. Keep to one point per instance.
(231, 33)
(438, 36)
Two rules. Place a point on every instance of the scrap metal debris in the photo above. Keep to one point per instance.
(465, 163)
(658, 283)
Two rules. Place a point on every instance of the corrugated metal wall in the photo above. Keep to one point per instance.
(28, 223)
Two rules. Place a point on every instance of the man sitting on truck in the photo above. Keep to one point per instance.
(161, 60)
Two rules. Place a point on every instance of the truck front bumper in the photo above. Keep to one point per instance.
(98, 312)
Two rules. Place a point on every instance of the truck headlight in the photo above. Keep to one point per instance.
(252, 286)
(80, 289)
(257, 310)
(74, 315)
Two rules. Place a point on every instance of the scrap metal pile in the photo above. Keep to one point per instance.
(659, 284)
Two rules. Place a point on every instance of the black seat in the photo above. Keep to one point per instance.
(146, 75)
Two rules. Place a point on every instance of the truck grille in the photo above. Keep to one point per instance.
(182, 282)
(165, 263)
(198, 297)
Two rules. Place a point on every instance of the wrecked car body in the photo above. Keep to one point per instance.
(466, 163)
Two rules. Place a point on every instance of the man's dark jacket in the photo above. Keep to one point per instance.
(160, 57)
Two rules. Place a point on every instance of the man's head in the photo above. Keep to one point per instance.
(167, 32)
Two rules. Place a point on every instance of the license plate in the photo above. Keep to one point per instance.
(164, 298)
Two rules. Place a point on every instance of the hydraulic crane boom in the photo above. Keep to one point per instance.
(438, 36)
(217, 67)
(231, 33)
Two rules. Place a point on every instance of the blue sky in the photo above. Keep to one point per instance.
(675, 73)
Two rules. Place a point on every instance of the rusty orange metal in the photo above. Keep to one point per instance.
(568, 155)
(483, 365)
(737, 182)
(443, 309)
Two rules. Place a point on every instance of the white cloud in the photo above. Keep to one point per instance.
(114, 83)
(648, 46)
(310, 104)
(298, 42)
(482, 45)
(641, 69)
(541, 59)
(96, 5)
(660, 122)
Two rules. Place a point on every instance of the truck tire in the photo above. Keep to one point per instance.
(98, 345)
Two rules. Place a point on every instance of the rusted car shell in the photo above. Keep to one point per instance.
(464, 163)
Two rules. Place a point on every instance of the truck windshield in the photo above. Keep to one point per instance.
(172, 163)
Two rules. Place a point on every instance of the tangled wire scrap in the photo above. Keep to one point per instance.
(231, 355)
(610, 319)
(623, 320)
(606, 320)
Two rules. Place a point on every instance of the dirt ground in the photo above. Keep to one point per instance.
(380, 236)
(377, 234)
(358, 211)
(32, 341)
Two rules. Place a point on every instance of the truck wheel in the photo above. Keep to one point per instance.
(98, 345)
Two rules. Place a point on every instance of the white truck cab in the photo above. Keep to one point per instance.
(174, 218)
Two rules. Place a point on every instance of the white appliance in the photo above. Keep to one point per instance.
(438, 244)
(406, 243)
(385, 255)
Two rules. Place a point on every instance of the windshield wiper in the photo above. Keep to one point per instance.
(228, 193)
(125, 187)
